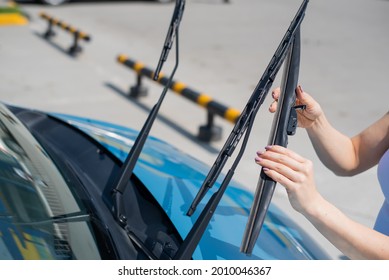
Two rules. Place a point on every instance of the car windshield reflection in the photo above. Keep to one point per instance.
(36, 203)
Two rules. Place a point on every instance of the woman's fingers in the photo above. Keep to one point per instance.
(273, 107)
(275, 95)
(282, 152)
(283, 164)
(279, 178)
(293, 172)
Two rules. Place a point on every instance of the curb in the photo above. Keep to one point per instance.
(12, 15)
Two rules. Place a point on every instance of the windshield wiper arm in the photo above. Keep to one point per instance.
(242, 128)
(130, 162)
(128, 166)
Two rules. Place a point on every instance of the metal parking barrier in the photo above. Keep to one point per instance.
(77, 34)
(207, 132)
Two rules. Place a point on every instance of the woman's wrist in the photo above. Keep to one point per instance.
(318, 125)
(315, 210)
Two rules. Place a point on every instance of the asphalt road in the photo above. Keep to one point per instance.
(224, 48)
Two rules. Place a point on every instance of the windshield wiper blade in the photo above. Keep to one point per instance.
(284, 124)
(250, 110)
(171, 33)
(242, 128)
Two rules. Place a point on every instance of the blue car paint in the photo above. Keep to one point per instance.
(174, 178)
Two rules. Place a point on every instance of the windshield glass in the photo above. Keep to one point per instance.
(37, 206)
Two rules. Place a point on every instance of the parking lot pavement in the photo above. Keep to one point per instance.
(224, 49)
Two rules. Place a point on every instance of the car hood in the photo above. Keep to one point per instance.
(174, 178)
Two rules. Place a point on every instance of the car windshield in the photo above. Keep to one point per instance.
(40, 216)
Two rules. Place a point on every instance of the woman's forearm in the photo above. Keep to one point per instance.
(355, 240)
(334, 149)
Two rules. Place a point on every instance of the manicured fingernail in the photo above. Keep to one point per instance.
(258, 159)
(265, 169)
(268, 147)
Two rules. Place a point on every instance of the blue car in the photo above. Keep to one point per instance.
(57, 175)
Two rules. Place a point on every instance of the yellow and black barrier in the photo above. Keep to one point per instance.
(207, 132)
(77, 34)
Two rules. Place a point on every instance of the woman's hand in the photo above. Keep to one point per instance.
(293, 172)
(306, 117)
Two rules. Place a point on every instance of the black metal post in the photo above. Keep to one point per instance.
(209, 131)
(75, 48)
(138, 90)
(49, 32)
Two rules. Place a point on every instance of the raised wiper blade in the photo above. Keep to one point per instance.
(250, 110)
(283, 121)
(173, 27)
(242, 127)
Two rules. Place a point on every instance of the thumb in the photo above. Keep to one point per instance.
(302, 96)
